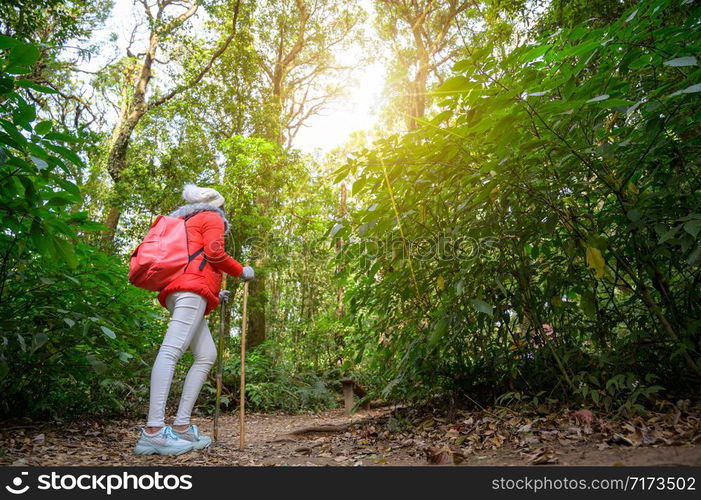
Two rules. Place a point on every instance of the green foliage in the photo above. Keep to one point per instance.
(34, 164)
(536, 237)
(73, 330)
(543, 223)
(52, 21)
(272, 386)
(74, 341)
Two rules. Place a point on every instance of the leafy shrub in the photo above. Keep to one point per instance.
(544, 223)
(269, 387)
(72, 329)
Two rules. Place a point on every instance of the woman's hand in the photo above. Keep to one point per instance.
(224, 296)
(247, 273)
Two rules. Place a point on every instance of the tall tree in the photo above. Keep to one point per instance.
(423, 35)
(299, 42)
(163, 18)
(298, 46)
(64, 28)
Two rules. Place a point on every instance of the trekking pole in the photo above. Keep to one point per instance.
(220, 363)
(242, 398)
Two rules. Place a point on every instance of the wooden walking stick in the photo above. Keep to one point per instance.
(242, 398)
(220, 363)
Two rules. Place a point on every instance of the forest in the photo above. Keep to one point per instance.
(485, 213)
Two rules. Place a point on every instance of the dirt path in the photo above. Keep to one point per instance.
(371, 437)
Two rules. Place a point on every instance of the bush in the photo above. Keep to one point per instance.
(269, 387)
(543, 224)
(72, 329)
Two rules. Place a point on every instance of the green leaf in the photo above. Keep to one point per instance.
(71, 278)
(682, 61)
(596, 261)
(643, 61)
(64, 251)
(695, 256)
(108, 332)
(125, 356)
(60, 136)
(44, 127)
(69, 322)
(336, 228)
(634, 214)
(631, 16)
(598, 98)
(23, 115)
(481, 306)
(23, 55)
(688, 90)
(588, 304)
(693, 227)
(96, 364)
(439, 330)
(534, 53)
(39, 340)
(28, 84)
(358, 185)
(455, 85)
(67, 154)
(669, 234)
(7, 42)
(41, 164)
(18, 70)
(70, 187)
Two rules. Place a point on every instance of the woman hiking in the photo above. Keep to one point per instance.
(189, 298)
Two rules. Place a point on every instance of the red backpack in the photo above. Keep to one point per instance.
(162, 255)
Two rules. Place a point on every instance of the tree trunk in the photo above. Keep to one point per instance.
(417, 97)
(340, 312)
(283, 61)
(116, 163)
(339, 247)
(132, 110)
(256, 313)
(111, 222)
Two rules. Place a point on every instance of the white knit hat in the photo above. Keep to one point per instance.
(195, 194)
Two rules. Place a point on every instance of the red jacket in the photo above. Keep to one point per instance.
(203, 275)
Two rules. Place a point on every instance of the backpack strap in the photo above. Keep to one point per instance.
(194, 255)
(198, 252)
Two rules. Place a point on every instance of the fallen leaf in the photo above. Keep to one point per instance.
(543, 456)
(585, 416)
(436, 456)
(525, 428)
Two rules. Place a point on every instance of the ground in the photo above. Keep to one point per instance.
(383, 436)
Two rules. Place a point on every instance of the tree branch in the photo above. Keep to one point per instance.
(299, 43)
(205, 70)
(181, 18)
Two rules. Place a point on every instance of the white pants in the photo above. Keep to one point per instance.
(187, 328)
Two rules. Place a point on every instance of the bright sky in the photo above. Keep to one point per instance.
(358, 110)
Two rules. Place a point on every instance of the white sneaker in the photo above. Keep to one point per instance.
(193, 435)
(164, 442)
